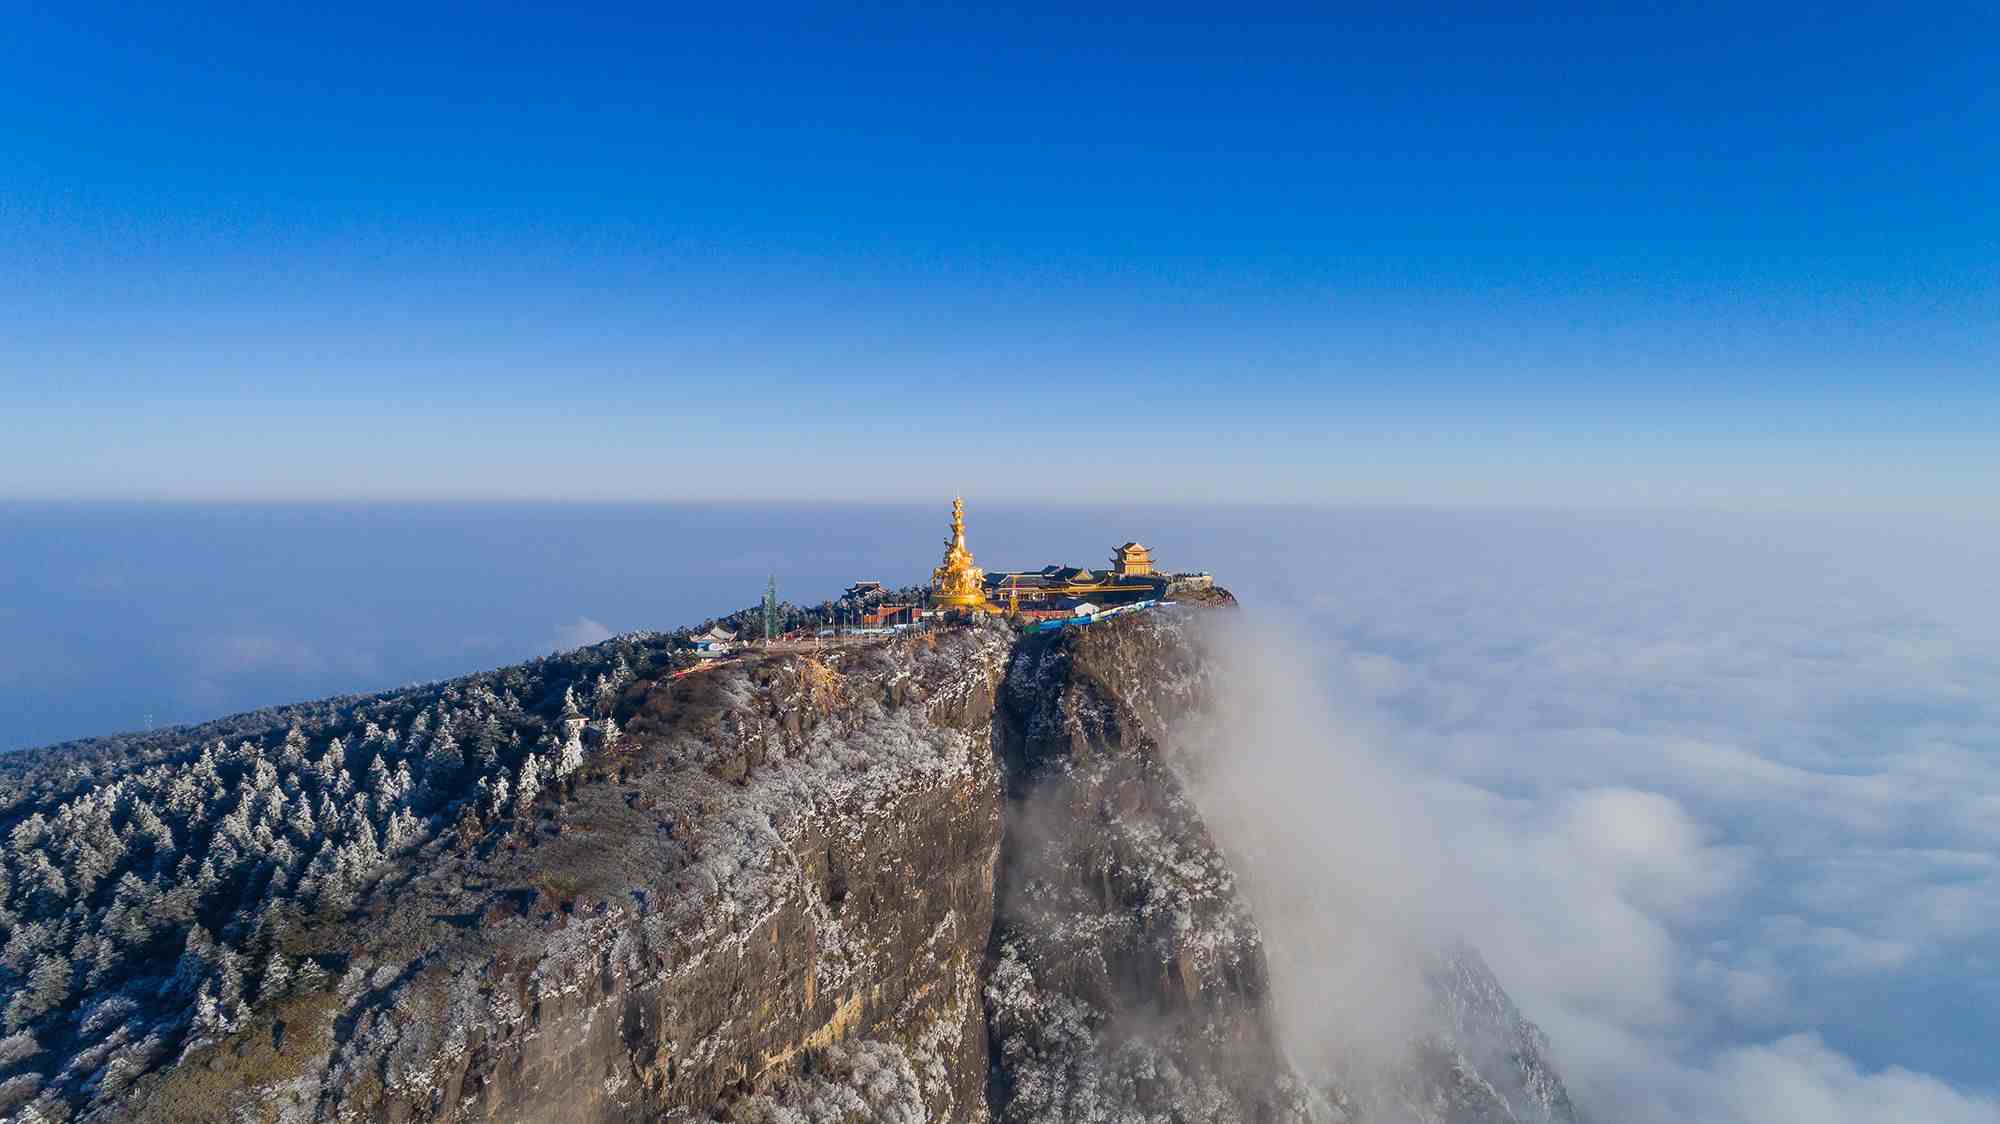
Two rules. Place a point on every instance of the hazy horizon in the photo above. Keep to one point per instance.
(252, 593)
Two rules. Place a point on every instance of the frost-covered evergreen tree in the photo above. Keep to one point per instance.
(44, 989)
(569, 755)
(529, 785)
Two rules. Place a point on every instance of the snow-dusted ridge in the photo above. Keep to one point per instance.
(950, 876)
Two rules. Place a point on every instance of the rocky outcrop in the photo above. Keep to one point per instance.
(1484, 1060)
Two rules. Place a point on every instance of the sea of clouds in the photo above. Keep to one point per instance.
(1716, 798)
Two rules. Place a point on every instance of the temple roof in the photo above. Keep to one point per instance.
(1063, 575)
(1027, 579)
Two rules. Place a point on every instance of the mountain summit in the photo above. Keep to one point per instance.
(951, 874)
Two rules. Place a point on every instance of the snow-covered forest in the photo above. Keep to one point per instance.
(150, 880)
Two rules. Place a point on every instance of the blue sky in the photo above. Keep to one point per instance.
(1718, 256)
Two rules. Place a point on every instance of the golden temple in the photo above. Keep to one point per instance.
(1132, 579)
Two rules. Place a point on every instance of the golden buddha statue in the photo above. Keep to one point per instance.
(957, 583)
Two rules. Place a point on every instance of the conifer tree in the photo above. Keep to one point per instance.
(529, 786)
(46, 987)
(275, 978)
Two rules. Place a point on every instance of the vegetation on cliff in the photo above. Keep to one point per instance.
(157, 887)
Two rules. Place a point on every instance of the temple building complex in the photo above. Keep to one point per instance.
(1053, 591)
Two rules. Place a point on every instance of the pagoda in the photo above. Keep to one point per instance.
(1131, 560)
(957, 583)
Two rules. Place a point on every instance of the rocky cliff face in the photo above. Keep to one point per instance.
(1128, 975)
(952, 877)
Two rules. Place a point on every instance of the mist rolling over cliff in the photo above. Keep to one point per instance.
(1332, 853)
(953, 875)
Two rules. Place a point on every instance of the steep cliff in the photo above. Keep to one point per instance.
(952, 876)
(1130, 978)
(1128, 974)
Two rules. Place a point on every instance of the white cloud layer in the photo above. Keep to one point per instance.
(579, 633)
(1720, 810)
